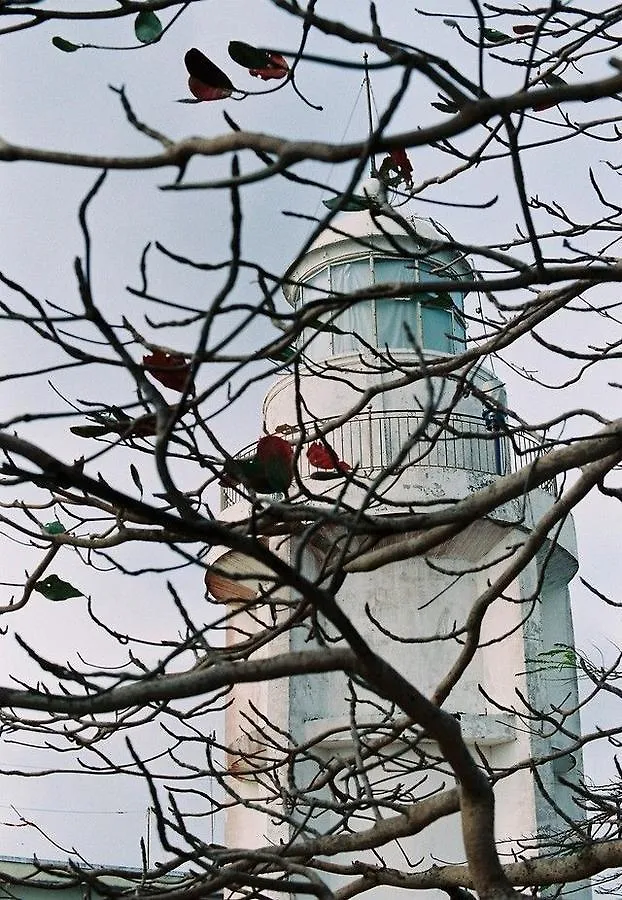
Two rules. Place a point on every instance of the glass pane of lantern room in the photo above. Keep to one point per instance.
(430, 272)
(390, 270)
(317, 287)
(437, 329)
(352, 324)
(397, 322)
(358, 319)
(353, 275)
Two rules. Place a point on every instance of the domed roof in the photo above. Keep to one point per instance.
(348, 225)
(382, 230)
(382, 219)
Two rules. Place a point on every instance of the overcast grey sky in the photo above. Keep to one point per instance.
(57, 100)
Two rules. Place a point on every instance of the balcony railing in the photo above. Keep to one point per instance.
(374, 442)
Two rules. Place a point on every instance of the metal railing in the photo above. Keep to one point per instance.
(397, 440)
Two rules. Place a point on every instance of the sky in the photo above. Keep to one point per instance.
(56, 100)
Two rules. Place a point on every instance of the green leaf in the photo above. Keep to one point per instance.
(286, 354)
(66, 46)
(55, 527)
(559, 657)
(442, 299)
(551, 80)
(54, 588)
(147, 27)
(136, 478)
(90, 430)
(496, 37)
(248, 56)
(353, 204)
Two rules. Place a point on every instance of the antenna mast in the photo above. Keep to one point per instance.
(372, 160)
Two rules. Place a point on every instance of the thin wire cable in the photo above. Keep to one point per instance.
(18, 808)
(341, 141)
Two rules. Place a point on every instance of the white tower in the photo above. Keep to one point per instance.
(442, 444)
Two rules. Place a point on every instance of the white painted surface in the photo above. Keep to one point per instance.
(419, 601)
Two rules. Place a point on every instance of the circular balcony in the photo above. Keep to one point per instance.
(373, 442)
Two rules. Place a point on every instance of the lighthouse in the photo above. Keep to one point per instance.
(409, 431)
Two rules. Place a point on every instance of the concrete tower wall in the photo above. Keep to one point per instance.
(413, 611)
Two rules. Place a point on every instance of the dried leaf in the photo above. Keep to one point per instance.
(321, 455)
(136, 478)
(552, 81)
(262, 64)
(396, 169)
(207, 81)
(170, 369)
(444, 104)
(277, 68)
(248, 56)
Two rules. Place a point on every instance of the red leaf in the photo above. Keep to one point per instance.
(400, 161)
(269, 471)
(143, 427)
(271, 446)
(275, 465)
(170, 369)
(322, 456)
(205, 91)
(544, 104)
(276, 68)
(207, 81)
(523, 29)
